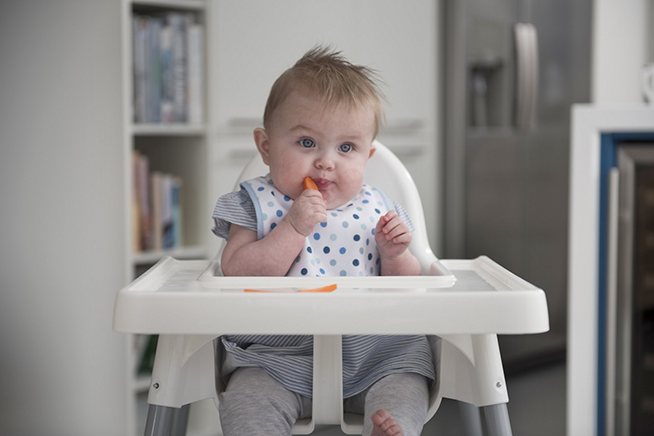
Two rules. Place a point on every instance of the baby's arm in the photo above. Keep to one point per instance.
(273, 255)
(393, 238)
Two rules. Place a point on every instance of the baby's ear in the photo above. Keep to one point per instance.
(263, 144)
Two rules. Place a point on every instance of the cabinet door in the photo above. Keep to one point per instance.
(257, 40)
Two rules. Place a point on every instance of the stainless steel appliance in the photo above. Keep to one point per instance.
(630, 304)
(513, 69)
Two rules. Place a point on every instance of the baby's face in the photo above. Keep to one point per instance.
(329, 144)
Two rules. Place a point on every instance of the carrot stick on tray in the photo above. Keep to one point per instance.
(328, 288)
(309, 183)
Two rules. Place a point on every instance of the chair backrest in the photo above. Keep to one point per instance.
(386, 172)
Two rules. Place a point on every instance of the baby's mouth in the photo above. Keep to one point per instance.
(322, 183)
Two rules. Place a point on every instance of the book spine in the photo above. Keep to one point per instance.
(167, 83)
(153, 95)
(144, 202)
(139, 38)
(178, 25)
(195, 73)
(157, 210)
(167, 212)
(177, 212)
(136, 210)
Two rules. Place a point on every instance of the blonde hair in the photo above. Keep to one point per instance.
(327, 74)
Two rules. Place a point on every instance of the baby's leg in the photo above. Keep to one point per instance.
(396, 405)
(256, 405)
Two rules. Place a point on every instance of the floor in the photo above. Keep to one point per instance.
(537, 406)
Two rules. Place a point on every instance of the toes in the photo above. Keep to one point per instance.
(386, 424)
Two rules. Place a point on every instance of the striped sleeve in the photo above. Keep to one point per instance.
(404, 216)
(233, 208)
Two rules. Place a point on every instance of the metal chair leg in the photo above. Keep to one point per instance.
(159, 420)
(167, 421)
(180, 421)
(496, 418)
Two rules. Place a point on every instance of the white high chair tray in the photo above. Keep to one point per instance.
(185, 297)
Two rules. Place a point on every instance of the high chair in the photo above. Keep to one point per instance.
(461, 304)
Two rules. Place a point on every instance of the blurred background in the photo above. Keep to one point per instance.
(478, 110)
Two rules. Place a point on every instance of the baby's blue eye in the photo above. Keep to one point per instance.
(306, 142)
(345, 148)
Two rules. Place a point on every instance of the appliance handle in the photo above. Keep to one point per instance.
(526, 44)
(612, 298)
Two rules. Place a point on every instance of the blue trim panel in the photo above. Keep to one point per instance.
(609, 143)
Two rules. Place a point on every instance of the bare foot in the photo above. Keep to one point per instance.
(385, 425)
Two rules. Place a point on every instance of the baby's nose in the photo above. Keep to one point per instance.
(324, 161)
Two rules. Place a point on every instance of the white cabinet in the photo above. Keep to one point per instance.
(256, 41)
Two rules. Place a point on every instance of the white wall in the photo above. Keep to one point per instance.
(622, 44)
(62, 369)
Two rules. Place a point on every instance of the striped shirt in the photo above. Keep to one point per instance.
(288, 359)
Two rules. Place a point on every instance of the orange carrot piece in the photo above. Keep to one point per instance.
(328, 288)
(309, 183)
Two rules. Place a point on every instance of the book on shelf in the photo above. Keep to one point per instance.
(157, 207)
(168, 64)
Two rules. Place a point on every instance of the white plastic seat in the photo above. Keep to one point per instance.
(462, 305)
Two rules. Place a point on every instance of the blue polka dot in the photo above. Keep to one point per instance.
(309, 250)
(279, 213)
(334, 214)
(359, 208)
(369, 256)
(342, 250)
(343, 273)
(273, 193)
(326, 250)
(333, 236)
(368, 193)
(316, 236)
(287, 198)
(355, 262)
(365, 202)
(367, 241)
(271, 204)
(265, 216)
(355, 216)
(273, 225)
(304, 271)
(357, 237)
(377, 210)
(361, 250)
(332, 262)
(322, 271)
(373, 231)
(345, 224)
(297, 259)
(323, 225)
(260, 188)
(363, 226)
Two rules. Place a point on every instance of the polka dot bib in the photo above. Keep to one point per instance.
(344, 245)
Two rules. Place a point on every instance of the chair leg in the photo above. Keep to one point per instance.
(471, 419)
(159, 420)
(180, 421)
(496, 418)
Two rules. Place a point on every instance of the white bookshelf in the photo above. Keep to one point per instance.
(180, 149)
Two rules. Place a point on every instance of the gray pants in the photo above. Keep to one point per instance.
(254, 404)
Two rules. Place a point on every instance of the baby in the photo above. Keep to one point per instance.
(320, 120)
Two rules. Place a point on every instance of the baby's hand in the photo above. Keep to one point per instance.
(392, 235)
(307, 210)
